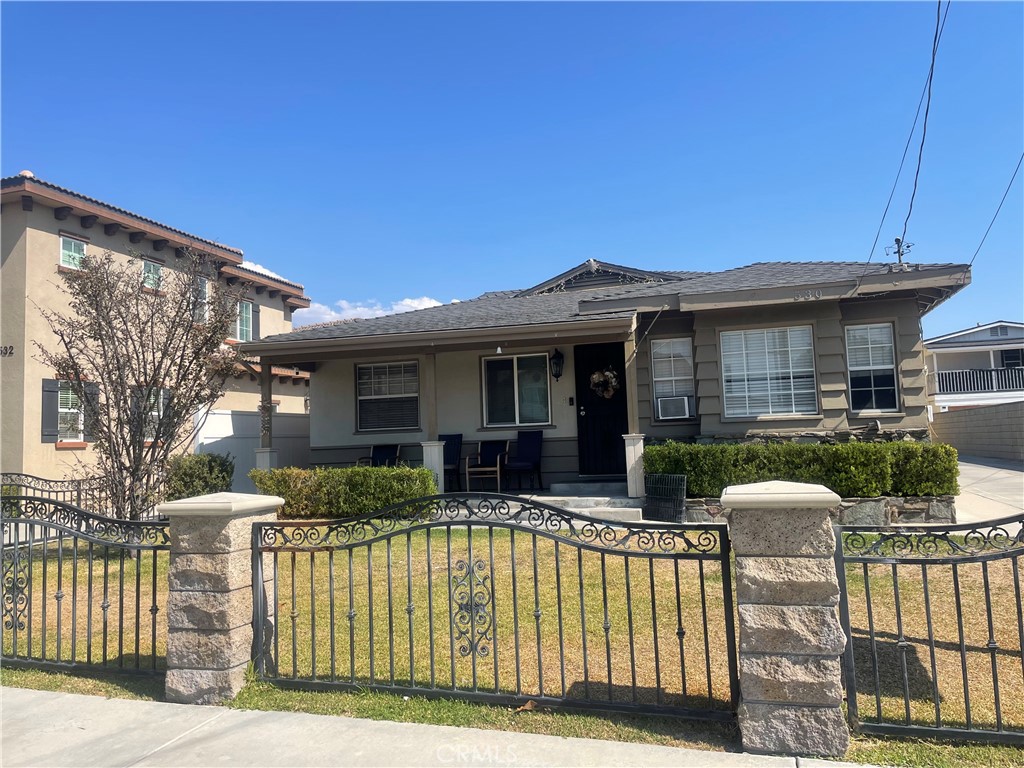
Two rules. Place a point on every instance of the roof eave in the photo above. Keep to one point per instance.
(433, 339)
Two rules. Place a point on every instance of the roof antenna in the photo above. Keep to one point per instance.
(900, 247)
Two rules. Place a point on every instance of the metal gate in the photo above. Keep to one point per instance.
(496, 598)
(935, 626)
(78, 589)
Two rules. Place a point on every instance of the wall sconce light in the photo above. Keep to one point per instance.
(498, 350)
(557, 365)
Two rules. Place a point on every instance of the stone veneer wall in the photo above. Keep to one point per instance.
(881, 510)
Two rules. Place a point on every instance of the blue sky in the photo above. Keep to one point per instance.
(390, 153)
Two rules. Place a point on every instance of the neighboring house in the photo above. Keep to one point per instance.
(983, 365)
(46, 230)
(792, 349)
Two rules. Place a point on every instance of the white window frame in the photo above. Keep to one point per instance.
(71, 261)
(403, 395)
(692, 378)
(64, 388)
(851, 369)
(751, 342)
(515, 388)
(152, 275)
(238, 323)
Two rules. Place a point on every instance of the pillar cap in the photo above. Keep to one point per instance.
(221, 505)
(779, 494)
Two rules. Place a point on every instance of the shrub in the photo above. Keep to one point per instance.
(198, 473)
(849, 469)
(325, 492)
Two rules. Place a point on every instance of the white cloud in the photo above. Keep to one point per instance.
(348, 310)
(262, 270)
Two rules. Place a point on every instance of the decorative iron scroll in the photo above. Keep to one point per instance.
(88, 526)
(497, 510)
(956, 541)
(471, 598)
(15, 577)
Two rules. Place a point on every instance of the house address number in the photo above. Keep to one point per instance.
(7, 350)
(807, 295)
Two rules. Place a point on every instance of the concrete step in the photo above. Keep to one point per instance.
(585, 502)
(588, 489)
(615, 514)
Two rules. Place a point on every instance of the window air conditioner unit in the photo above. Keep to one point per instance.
(673, 407)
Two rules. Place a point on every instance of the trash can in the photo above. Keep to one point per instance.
(665, 498)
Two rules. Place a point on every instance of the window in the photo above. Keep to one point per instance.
(71, 252)
(871, 358)
(243, 325)
(672, 373)
(999, 330)
(769, 372)
(1012, 358)
(388, 396)
(70, 420)
(201, 294)
(516, 390)
(151, 275)
(154, 410)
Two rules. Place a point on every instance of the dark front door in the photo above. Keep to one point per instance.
(601, 419)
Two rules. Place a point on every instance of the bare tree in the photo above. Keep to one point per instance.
(145, 357)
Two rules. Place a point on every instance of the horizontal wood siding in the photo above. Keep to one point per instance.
(669, 325)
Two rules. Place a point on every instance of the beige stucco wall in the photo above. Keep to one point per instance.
(962, 361)
(31, 280)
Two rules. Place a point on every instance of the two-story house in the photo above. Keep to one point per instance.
(976, 366)
(47, 229)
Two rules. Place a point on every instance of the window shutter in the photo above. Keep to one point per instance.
(255, 321)
(90, 411)
(50, 409)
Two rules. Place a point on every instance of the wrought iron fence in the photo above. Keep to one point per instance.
(81, 589)
(935, 626)
(495, 598)
(86, 493)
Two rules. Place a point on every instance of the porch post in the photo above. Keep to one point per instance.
(632, 406)
(433, 459)
(430, 397)
(634, 465)
(791, 639)
(210, 605)
(266, 455)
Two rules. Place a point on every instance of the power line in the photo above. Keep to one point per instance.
(927, 108)
(906, 148)
(996, 214)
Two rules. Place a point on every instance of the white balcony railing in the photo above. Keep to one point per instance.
(980, 380)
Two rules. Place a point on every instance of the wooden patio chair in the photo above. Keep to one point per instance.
(490, 456)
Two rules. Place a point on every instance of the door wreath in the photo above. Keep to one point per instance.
(605, 383)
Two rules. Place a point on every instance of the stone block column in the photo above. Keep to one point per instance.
(787, 597)
(210, 598)
(634, 465)
(433, 459)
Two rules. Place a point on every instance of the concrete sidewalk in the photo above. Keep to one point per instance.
(989, 489)
(40, 728)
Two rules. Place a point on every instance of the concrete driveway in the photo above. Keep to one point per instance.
(989, 489)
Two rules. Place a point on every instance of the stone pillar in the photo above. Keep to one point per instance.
(433, 459)
(210, 602)
(634, 465)
(791, 640)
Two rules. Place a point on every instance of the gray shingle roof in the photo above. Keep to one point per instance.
(499, 309)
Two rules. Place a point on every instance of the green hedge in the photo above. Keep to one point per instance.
(331, 493)
(849, 469)
(197, 474)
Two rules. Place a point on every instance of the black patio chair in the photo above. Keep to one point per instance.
(452, 459)
(490, 456)
(527, 460)
(381, 456)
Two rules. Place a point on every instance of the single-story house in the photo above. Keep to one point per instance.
(602, 356)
